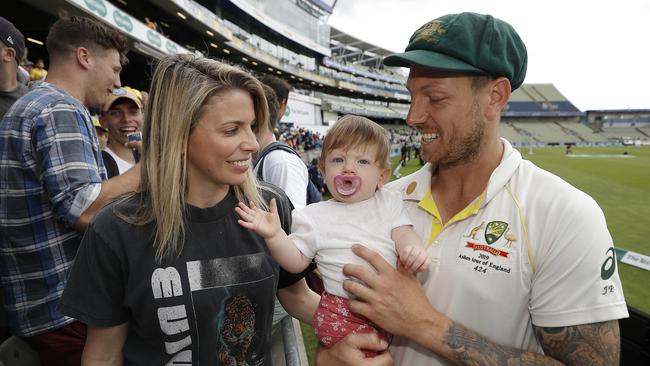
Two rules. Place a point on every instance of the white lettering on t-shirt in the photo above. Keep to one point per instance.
(173, 319)
(166, 283)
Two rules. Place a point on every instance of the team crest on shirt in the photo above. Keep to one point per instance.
(494, 230)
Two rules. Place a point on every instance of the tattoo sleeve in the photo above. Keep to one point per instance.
(586, 344)
(589, 344)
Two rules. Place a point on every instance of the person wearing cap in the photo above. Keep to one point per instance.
(11, 51)
(524, 270)
(102, 135)
(54, 182)
(121, 115)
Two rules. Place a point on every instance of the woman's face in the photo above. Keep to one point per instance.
(220, 147)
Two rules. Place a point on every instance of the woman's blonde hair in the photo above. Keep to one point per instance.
(354, 131)
(180, 87)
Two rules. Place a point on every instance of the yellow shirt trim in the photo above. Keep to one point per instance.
(428, 204)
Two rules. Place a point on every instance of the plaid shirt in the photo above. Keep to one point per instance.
(50, 172)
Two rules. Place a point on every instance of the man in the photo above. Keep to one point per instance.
(11, 52)
(121, 115)
(52, 182)
(538, 285)
(282, 168)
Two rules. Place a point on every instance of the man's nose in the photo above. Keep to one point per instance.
(416, 114)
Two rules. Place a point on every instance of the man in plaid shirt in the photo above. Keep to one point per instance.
(53, 181)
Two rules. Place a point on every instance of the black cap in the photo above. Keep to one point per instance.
(12, 37)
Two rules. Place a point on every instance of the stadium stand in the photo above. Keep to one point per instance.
(333, 73)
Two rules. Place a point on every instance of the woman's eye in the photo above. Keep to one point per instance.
(231, 131)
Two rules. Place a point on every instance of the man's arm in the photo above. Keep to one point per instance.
(111, 188)
(396, 302)
(104, 346)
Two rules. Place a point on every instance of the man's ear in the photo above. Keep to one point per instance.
(8, 54)
(84, 57)
(499, 90)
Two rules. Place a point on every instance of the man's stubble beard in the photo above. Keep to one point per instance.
(465, 149)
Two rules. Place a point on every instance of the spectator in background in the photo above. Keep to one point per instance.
(282, 168)
(38, 71)
(121, 115)
(145, 99)
(11, 50)
(286, 171)
(150, 23)
(51, 162)
(315, 175)
(102, 134)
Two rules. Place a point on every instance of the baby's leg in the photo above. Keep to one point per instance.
(333, 320)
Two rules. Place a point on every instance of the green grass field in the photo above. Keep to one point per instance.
(621, 186)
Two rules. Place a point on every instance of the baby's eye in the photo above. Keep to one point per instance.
(337, 160)
(364, 162)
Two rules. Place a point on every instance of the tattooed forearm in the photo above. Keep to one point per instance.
(587, 344)
(592, 344)
(470, 348)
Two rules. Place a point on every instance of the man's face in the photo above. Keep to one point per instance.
(447, 113)
(123, 117)
(104, 70)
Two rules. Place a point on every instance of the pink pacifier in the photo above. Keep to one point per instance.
(347, 185)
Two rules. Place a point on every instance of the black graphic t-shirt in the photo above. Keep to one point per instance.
(213, 305)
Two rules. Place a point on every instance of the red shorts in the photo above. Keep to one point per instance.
(60, 347)
(333, 320)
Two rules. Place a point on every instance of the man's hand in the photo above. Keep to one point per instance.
(266, 224)
(392, 299)
(349, 352)
(414, 258)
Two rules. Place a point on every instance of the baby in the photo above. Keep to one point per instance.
(355, 166)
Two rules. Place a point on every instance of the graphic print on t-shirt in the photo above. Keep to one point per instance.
(229, 306)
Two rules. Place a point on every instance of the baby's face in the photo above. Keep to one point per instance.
(353, 175)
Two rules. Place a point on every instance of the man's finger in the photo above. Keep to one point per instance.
(372, 257)
(368, 341)
(362, 274)
(357, 289)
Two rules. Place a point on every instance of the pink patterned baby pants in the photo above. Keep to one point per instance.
(333, 320)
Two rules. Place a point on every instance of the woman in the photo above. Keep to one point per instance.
(166, 274)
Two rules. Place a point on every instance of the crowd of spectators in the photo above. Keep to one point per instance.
(299, 138)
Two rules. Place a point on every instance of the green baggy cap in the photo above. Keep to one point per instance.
(467, 43)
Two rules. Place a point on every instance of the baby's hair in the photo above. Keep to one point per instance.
(354, 131)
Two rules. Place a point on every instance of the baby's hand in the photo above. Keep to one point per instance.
(266, 224)
(414, 258)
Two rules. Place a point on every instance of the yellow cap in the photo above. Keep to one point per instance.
(123, 92)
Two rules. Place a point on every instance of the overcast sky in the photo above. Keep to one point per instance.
(597, 53)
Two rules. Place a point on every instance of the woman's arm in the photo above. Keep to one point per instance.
(104, 345)
(299, 301)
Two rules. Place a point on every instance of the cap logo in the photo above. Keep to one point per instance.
(10, 40)
(430, 32)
